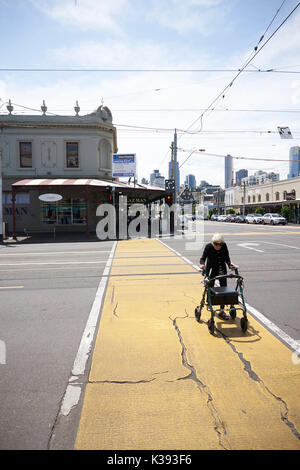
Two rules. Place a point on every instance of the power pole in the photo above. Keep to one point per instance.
(172, 161)
(175, 165)
(1, 207)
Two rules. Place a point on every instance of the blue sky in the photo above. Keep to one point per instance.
(161, 34)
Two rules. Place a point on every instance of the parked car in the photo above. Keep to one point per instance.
(222, 218)
(231, 218)
(240, 219)
(274, 219)
(254, 219)
(214, 217)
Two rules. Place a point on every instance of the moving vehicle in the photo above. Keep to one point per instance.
(273, 219)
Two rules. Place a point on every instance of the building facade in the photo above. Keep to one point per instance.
(53, 147)
(271, 196)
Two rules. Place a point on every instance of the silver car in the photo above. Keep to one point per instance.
(274, 219)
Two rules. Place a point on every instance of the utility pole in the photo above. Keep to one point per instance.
(172, 161)
(1, 207)
(175, 165)
(244, 197)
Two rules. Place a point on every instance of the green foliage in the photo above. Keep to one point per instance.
(259, 210)
(286, 212)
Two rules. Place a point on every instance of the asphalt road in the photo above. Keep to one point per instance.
(47, 291)
(269, 260)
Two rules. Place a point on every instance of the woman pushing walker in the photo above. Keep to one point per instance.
(214, 259)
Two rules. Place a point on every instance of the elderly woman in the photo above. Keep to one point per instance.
(215, 257)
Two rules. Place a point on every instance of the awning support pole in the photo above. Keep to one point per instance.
(13, 199)
(87, 234)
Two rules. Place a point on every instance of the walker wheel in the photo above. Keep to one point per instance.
(244, 324)
(211, 326)
(232, 313)
(197, 313)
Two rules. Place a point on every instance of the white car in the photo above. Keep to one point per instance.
(254, 219)
(274, 219)
(222, 218)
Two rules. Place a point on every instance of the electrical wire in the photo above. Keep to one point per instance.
(257, 50)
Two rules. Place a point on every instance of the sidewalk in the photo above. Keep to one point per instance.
(159, 380)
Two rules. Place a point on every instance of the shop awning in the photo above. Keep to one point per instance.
(88, 183)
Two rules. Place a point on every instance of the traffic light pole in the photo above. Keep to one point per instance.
(175, 166)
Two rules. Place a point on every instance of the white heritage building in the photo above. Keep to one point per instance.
(67, 155)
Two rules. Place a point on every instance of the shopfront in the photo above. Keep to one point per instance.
(70, 205)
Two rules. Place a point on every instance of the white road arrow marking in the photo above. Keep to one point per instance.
(250, 246)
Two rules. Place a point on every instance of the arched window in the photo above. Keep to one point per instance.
(105, 155)
(253, 198)
(249, 199)
(284, 195)
(277, 196)
(267, 197)
(259, 198)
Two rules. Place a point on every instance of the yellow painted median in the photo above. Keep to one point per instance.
(159, 380)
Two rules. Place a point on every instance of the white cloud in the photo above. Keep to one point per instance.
(188, 16)
(86, 14)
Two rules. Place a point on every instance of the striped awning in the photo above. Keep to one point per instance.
(63, 183)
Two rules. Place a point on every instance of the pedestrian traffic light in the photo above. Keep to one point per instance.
(109, 193)
(169, 199)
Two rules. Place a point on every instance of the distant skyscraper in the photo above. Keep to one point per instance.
(228, 171)
(239, 175)
(190, 181)
(156, 179)
(294, 167)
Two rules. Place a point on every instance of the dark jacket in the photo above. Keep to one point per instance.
(215, 259)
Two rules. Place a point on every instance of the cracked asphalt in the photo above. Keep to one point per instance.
(159, 380)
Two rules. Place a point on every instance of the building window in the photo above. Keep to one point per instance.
(249, 199)
(259, 198)
(72, 154)
(284, 195)
(277, 196)
(253, 198)
(25, 153)
(64, 212)
(21, 198)
(267, 197)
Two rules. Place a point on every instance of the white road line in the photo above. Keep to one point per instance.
(73, 391)
(282, 244)
(51, 253)
(293, 344)
(249, 246)
(51, 262)
(284, 337)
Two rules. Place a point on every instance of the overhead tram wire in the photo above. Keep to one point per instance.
(237, 158)
(257, 50)
(46, 70)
